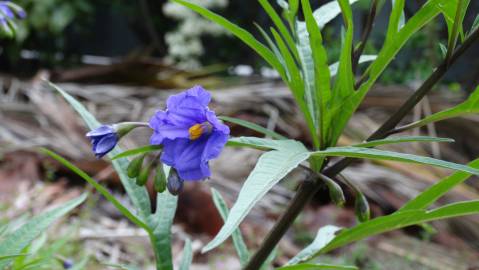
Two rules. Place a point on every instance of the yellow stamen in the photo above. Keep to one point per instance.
(195, 131)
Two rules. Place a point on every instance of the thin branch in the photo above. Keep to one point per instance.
(365, 36)
(310, 187)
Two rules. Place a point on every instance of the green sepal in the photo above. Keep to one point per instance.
(134, 168)
(160, 179)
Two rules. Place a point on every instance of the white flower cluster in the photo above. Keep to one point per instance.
(184, 44)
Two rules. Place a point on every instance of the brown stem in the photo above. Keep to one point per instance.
(365, 36)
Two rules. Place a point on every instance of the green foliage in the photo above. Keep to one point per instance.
(187, 256)
(367, 153)
(271, 167)
(238, 241)
(310, 266)
(253, 126)
(402, 139)
(137, 151)
(13, 244)
(323, 237)
(470, 106)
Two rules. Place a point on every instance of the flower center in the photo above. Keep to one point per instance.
(197, 130)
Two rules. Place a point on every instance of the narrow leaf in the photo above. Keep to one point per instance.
(103, 191)
(270, 169)
(430, 195)
(187, 256)
(470, 106)
(323, 237)
(253, 126)
(238, 241)
(239, 32)
(403, 139)
(400, 220)
(15, 242)
(138, 151)
(368, 153)
(309, 266)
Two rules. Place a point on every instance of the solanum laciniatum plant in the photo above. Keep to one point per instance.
(187, 134)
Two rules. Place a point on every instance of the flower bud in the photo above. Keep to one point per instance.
(134, 167)
(361, 207)
(143, 176)
(105, 137)
(175, 183)
(160, 179)
(335, 192)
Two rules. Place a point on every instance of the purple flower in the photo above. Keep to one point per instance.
(190, 132)
(103, 139)
(8, 11)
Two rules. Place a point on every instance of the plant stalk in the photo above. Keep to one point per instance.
(309, 187)
(365, 36)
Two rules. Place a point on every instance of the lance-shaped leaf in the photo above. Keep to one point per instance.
(470, 106)
(15, 242)
(348, 106)
(402, 139)
(253, 126)
(238, 241)
(320, 266)
(323, 237)
(137, 151)
(400, 220)
(187, 255)
(270, 169)
(436, 191)
(239, 32)
(369, 153)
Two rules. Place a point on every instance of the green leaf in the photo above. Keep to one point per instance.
(187, 256)
(470, 106)
(270, 169)
(280, 25)
(368, 153)
(253, 126)
(344, 85)
(138, 151)
(316, 60)
(323, 237)
(457, 27)
(454, 17)
(400, 220)
(138, 195)
(239, 32)
(326, 13)
(238, 241)
(121, 266)
(103, 191)
(434, 192)
(474, 25)
(258, 143)
(272, 45)
(162, 221)
(81, 265)
(345, 109)
(309, 266)
(13, 256)
(402, 139)
(15, 242)
(394, 19)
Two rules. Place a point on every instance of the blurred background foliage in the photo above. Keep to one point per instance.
(59, 33)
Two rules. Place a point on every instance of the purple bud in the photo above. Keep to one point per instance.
(175, 183)
(103, 139)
